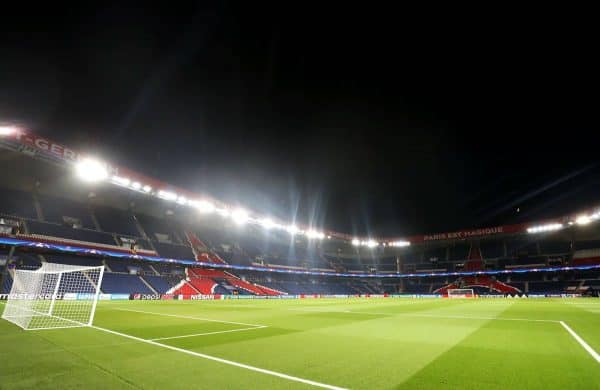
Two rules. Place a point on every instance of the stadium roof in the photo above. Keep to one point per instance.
(96, 170)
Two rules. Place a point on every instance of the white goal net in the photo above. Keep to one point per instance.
(461, 293)
(54, 296)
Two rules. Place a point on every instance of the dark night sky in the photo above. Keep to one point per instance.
(382, 121)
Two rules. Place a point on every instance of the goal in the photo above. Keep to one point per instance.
(461, 293)
(54, 296)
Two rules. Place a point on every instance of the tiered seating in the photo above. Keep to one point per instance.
(159, 283)
(168, 269)
(206, 273)
(55, 230)
(420, 287)
(250, 287)
(434, 254)
(387, 264)
(117, 265)
(483, 282)
(83, 284)
(590, 244)
(183, 288)
(551, 247)
(28, 260)
(208, 257)
(6, 283)
(174, 251)
(117, 221)
(550, 287)
(520, 247)
(491, 249)
(459, 251)
(55, 209)
(203, 285)
(73, 260)
(123, 284)
(153, 226)
(17, 203)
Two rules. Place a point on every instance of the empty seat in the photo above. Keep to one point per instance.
(56, 210)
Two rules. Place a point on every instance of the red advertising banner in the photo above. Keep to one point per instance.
(45, 145)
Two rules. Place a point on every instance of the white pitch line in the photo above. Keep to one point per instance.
(209, 333)
(585, 345)
(428, 315)
(190, 318)
(224, 361)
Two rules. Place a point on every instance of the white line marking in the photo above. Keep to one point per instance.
(224, 361)
(585, 345)
(426, 315)
(189, 317)
(209, 333)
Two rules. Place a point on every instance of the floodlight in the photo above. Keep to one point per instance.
(315, 234)
(147, 188)
(293, 229)
(91, 170)
(355, 242)
(7, 130)
(583, 220)
(545, 228)
(121, 181)
(267, 223)
(166, 195)
(223, 212)
(136, 185)
(311, 233)
(371, 243)
(240, 216)
(205, 206)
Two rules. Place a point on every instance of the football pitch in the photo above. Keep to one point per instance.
(352, 343)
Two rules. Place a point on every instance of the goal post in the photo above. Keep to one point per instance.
(54, 296)
(461, 293)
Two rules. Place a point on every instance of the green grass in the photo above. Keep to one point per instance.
(350, 343)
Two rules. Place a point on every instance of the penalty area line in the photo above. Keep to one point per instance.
(189, 317)
(223, 361)
(581, 342)
(209, 333)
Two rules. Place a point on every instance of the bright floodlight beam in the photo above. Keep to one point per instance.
(240, 216)
(583, 220)
(293, 229)
(7, 130)
(91, 170)
(205, 206)
(371, 244)
(267, 223)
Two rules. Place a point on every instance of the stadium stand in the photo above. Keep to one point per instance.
(56, 230)
(113, 283)
(60, 211)
(73, 260)
(174, 251)
(17, 203)
(216, 244)
(117, 221)
(159, 283)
